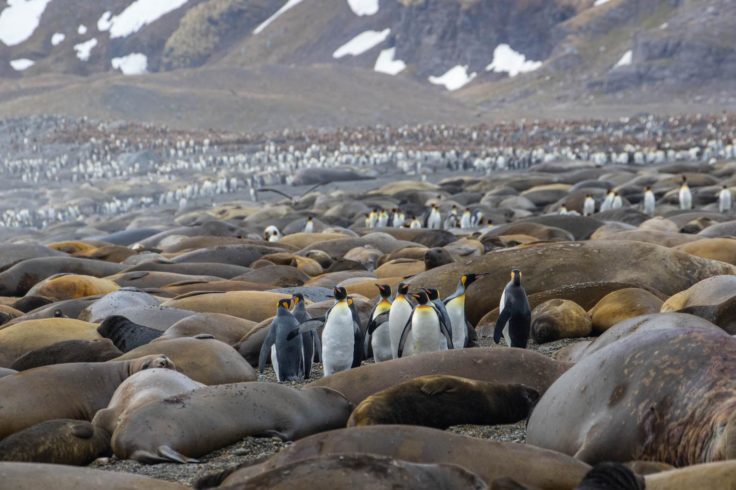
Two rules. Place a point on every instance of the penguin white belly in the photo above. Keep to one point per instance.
(275, 362)
(506, 326)
(686, 199)
(397, 318)
(425, 329)
(381, 343)
(338, 340)
(456, 312)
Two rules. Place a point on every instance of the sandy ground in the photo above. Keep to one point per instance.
(251, 449)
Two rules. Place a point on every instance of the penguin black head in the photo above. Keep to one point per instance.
(516, 277)
(468, 279)
(589, 196)
(384, 290)
(725, 187)
(297, 298)
(403, 288)
(684, 179)
(285, 303)
(648, 188)
(421, 297)
(433, 294)
(340, 293)
(309, 219)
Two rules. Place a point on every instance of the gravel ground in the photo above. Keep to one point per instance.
(252, 449)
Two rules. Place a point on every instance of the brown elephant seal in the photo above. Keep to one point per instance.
(225, 328)
(559, 319)
(153, 279)
(32, 476)
(206, 360)
(441, 401)
(710, 475)
(436, 257)
(611, 476)
(622, 305)
(548, 266)
(400, 268)
(65, 391)
(634, 400)
(212, 417)
(141, 388)
(502, 365)
(723, 249)
(490, 460)
(61, 441)
(711, 291)
(99, 350)
(224, 271)
(250, 305)
(26, 336)
(70, 286)
(17, 280)
(365, 471)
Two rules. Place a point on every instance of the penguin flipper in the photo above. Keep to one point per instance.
(405, 334)
(471, 338)
(307, 326)
(447, 332)
(503, 317)
(265, 353)
(377, 322)
(357, 345)
(317, 347)
(367, 346)
(172, 455)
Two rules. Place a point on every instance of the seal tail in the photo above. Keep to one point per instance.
(165, 455)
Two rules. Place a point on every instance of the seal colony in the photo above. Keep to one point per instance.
(375, 319)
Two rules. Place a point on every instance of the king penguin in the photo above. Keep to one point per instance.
(398, 315)
(724, 200)
(341, 337)
(455, 304)
(426, 328)
(310, 340)
(434, 220)
(515, 315)
(378, 339)
(650, 201)
(309, 225)
(287, 355)
(589, 205)
(685, 196)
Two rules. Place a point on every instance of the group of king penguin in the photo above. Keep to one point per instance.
(406, 325)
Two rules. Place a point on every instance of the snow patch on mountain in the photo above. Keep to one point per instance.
(104, 23)
(364, 7)
(454, 78)
(288, 6)
(140, 13)
(21, 64)
(506, 60)
(132, 64)
(84, 49)
(387, 64)
(57, 38)
(361, 43)
(20, 19)
(626, 59)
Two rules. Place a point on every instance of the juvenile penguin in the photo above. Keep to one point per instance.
(287, 355)
(341, 338)
(379, 338)
(398, 316)
(455, 304)
(589, 205)
(310, 340)
(515, 315)
(650, 201)
(426, 327)
(685, 196)
(724, 200)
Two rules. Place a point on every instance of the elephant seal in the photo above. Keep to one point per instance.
(153, 279)
(710, 475)
(559, 319)
(224, 271)
(12, 253)
(242, 255)
(212, 417)
(125, 334)
(71, 286)
(490, 460)
(206, 360)
(501, 365)
(225, 328)
(548, 266)
(622, 305)
(139, 389)
(23, 337)
(99, 350)
(17, 280)
(60, 441)
(611, 476)
(634, 400)
(32, 476)
(116, 302)
(443, 401)
(436, 257)
(365, 471)
(723, 249)
(30, 303)
(74, 391)
(250, 305)
(711, 291)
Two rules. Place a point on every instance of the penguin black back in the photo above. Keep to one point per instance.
(514, 319)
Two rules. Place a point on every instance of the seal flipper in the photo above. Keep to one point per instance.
(436, 386)
(171, 455)
(281, 435)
